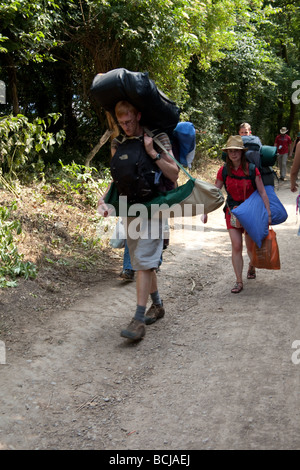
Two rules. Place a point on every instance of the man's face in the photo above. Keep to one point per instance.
(130, 123)
(244, 131)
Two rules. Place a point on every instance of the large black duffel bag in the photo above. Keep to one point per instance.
(158, 112)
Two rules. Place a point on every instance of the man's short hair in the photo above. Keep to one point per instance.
(123, 107)
(245, 124)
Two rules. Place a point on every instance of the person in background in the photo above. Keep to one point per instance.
(293, 150)
(127, 272)
(294, 175)
(245, 129)
(295, 169)
(283, 142)
(239, 187)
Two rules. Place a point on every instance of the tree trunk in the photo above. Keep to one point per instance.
(97, 147)
(12, 83)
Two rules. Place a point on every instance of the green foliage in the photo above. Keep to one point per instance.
(26, 28)
(249, 84)
(12, 264)
(159, 36)
(23, 143)
(76, 179)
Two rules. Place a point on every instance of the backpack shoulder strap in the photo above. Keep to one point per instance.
(224, 172)
(224, 175)
(252, 174)
(252, 170)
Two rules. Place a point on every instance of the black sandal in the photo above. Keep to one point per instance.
(238, 287)
(251, 274)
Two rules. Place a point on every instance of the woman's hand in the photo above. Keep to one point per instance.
(294, 188)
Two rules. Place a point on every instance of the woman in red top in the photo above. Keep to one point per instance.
(239, 190)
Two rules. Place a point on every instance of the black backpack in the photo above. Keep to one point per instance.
(158, 111)
(134, 172)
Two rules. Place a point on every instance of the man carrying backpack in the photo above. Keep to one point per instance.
(283, 143)
(131, 151)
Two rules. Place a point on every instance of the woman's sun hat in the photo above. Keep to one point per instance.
(235, 142)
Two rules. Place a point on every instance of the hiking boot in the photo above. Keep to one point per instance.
(127, 274)
(134, 331)
(154, 313)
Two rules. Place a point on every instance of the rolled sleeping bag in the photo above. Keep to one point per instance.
(253, 215)
(158, 111)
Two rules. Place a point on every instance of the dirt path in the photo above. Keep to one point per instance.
(215, 373)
